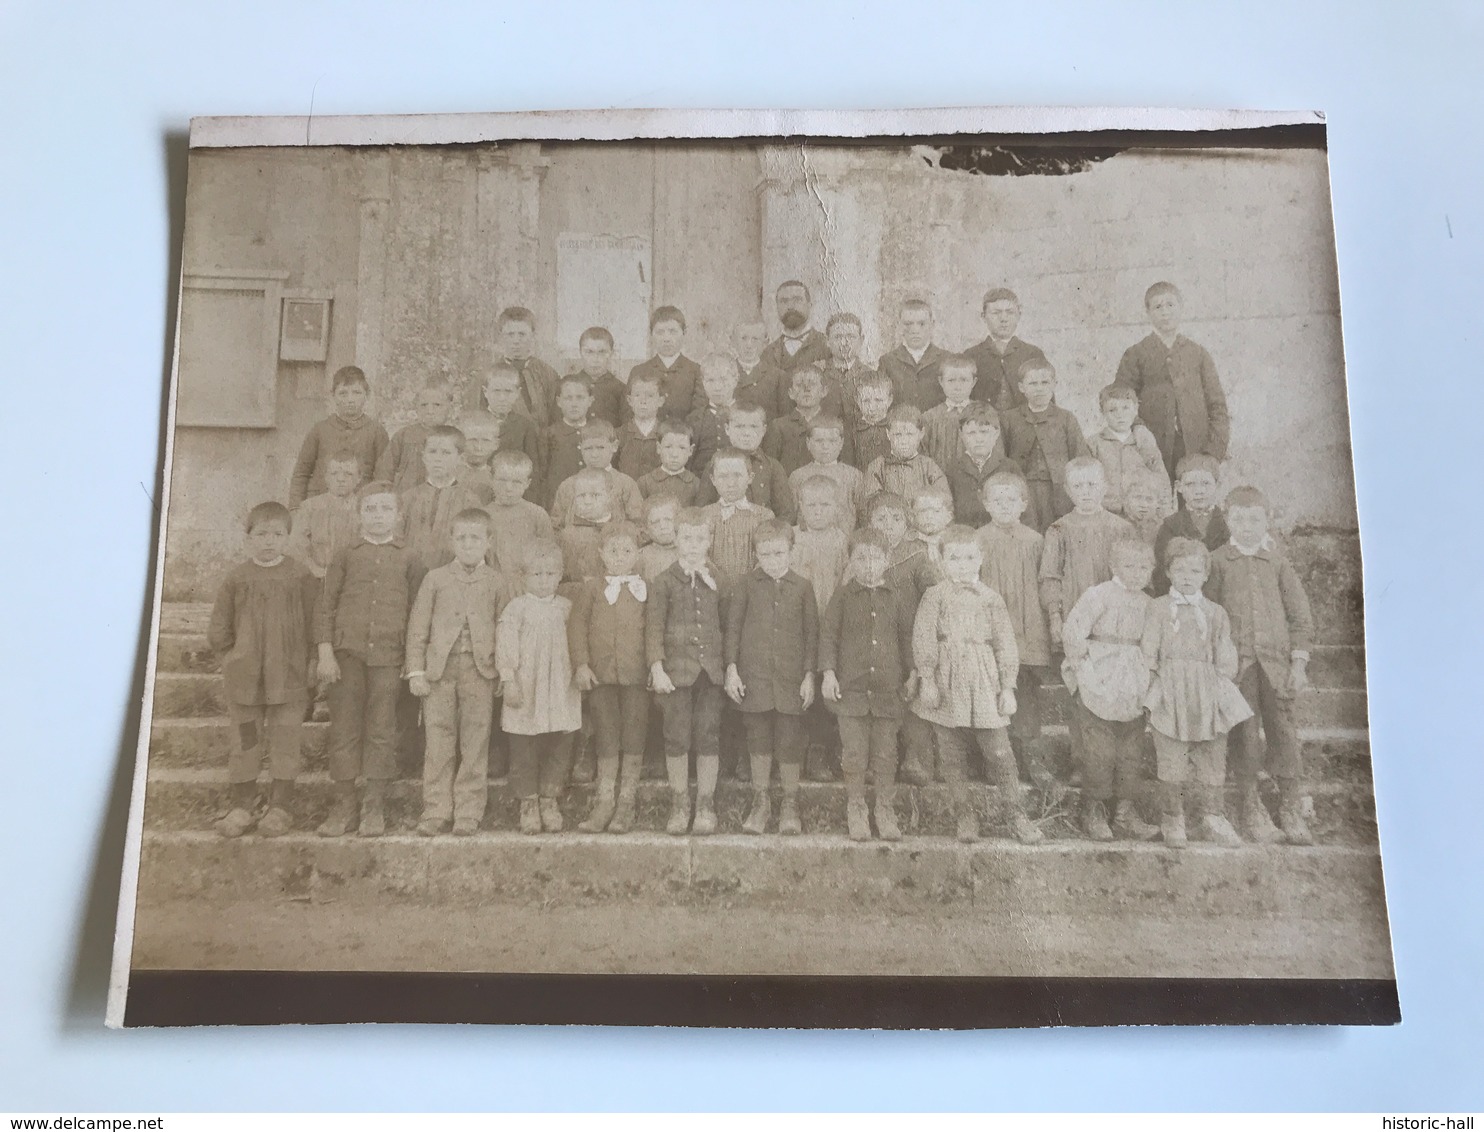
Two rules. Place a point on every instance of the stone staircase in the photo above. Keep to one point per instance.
(1337, 882)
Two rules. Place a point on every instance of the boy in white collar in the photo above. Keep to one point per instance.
(756, 379)
(595, 349)
(940, 424)
(708, 421)
(787, 436)
(429, 508)
(914, 365)
(639, 436)
(825, 441)
(1273, 629)
(733, 517)
(591, 510)
(1125, 447)
(673, 477)
(680, 378)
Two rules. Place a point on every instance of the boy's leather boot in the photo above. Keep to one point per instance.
(342, 816)
(1095, 821)
(1252, 818)
(1291, 813)
(373, 809)
(788, 812)
(1128, 825)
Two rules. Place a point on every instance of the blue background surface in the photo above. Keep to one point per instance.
(89, 92)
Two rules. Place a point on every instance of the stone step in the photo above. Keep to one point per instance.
(353, 878)
(193, 799)
(1331, 666)
(1333, 754)
(181, 695)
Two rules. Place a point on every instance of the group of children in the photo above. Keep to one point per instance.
(782, 552)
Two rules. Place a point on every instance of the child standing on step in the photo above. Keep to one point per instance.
(451, 668)
(361, 630)
(1192, 701)
(772, 640)
(1106, 671)
(967, 662)
(865, 662)
(683, 645)
(262, 626)
(606, 637)
(1273, 627)
(543, 709)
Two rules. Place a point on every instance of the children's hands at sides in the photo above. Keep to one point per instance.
(586, 678)
(1298, 673)
(806, 690)
(328, 669)
(510, 690)
(927, 691)
(1007, 703)
(829, 686)
(418, 685)
(909, 686)
(660, 680)
(733, 685)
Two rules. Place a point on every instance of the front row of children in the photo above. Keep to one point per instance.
(939, 639)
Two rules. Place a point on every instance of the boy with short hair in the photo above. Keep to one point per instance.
(820, 551)
(1012, 568)
(1041, 437)
(428, 508)
(451, 668)
(708, 421)
(673, 476)
(1145, 502)
(536, 381)
(596, 446)
(684, 648)
(606, 636)
(559, 440)
(981, 458)
(360, 628)
(772, 641)
(865, 662)
(500, 392)
(349, 428)
(591, 510)
(1180, 395)
(658, 554)
(1076, 553)
(328, 522)
(733, 517)
(997, 359)
(516, 522)
(940, 424)
(595, 351)
(843, 369)
(481, 442)
(756, 379)
(639, 435)
(905, 469)
(825, 441)
(402, 460)
(679, 377)
(913, 366)
(1197, 517)
(745, 428)
(866, 438)
(1273, 629)
(787, 436)
(1126, 448)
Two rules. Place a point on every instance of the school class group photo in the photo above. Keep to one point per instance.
(776, 558)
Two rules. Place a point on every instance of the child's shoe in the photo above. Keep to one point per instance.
(1172, 830)
(912, 772)
(1253, 820)
(236, 822)
(623, 812)
(373, 810)
(885, 812)
(465, 827)
(276, 822)
(601, 813)
(761, 812)
(431, 827)
(1291, 814)
(679, 821)
(1025, 831)
(551, 815)
(1128, 825)
(1095, 821)
(788, 817)
(530, 815)
(705, 823)
(342, 816)
(858, 820)
(1217, 830)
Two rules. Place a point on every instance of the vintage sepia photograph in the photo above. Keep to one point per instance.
(920, 553)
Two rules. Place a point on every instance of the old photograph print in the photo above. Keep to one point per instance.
(909, 558)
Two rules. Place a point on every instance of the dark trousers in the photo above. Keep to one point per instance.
(1280, 756)
(692, 720)
(774, 734)
(868, 741)
(277, 729)
(1026, 723)
(363, 719)
(994, 747)
(620, 714)
(540, 764)
(1112, 755)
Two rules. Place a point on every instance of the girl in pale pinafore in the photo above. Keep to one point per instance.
(1192, 700)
